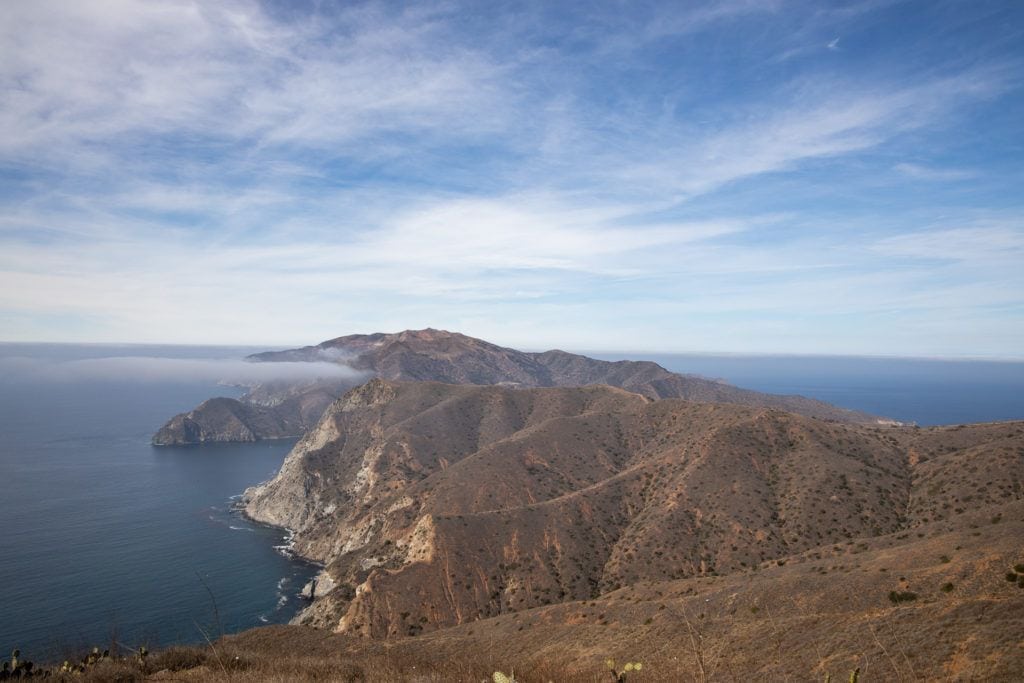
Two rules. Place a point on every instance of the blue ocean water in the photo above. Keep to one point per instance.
(925, 391)
(108, 538)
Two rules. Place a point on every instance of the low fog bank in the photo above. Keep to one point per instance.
(178, 370)
(333, 355)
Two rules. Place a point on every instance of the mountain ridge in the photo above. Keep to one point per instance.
(451, 357)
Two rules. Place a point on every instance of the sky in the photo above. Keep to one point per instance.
(743, 176)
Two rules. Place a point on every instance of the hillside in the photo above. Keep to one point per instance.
(452, 358)
(435, 506)
(824, 611)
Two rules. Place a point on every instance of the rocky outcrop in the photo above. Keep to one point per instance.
(215, 420)
(265, 412)
(433, 505)
(318, 587)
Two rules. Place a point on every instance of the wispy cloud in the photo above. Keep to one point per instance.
(986, 245)
(78, 77)
(919, 172)
(814, 120)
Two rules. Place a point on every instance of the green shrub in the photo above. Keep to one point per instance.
(947, 588)
(620, 676)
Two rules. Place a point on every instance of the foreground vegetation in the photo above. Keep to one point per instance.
(233, 661)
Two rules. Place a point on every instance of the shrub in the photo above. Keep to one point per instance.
(176, 659)
(119, 671)
(902, 596)
(947, 588)
(620, 676)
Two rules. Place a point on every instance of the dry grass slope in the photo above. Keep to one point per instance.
(461, 513)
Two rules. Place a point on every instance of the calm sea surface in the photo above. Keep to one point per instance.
(106, 537)
(928, 392)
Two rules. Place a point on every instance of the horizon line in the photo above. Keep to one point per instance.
(587, 352)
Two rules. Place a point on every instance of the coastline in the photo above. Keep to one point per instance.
(286, 550)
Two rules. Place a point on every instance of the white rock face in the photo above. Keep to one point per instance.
(318, 587)
(316, 484)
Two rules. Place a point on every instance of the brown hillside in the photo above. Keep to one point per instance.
(825, 611)
(436, 505)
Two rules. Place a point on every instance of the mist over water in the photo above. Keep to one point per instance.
(53, 366)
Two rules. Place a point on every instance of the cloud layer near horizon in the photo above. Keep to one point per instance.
(753, 176)
(146, 369)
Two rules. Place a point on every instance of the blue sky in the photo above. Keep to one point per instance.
(741, 176)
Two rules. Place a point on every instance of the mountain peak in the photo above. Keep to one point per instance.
(428, 334)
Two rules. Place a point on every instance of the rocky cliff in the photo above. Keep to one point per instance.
(435, 505)
(266, 412)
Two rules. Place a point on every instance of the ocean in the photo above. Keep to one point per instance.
(107, 539)
(923, 391)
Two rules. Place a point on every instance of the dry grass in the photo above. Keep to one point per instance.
(457, 503)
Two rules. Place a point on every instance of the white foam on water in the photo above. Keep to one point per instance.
(287, 548)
